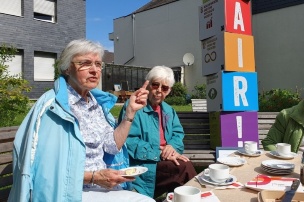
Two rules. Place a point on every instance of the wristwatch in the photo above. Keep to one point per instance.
(127, 118)
(290, 194)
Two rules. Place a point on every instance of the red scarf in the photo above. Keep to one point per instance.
(157, 109)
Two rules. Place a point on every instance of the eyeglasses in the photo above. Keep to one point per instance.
(163, 88)
(88, 64)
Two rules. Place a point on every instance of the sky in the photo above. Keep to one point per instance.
(100, 15)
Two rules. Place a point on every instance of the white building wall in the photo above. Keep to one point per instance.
(164, 34)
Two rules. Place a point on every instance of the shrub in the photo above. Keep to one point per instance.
(199, 92)
(178, 100)
(177, 95)
(178, 90)
(277, 99)
(12, 88)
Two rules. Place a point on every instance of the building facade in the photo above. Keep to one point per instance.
(40, 29)
(163, 31)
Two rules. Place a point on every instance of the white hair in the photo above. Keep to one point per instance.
(78, 47)
(161, 73)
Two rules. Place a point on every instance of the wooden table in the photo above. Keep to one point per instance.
(244, 174)
(120, 97)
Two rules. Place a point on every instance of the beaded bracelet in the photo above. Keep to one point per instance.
(92, 179)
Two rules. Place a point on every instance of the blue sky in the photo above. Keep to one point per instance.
(100, 15)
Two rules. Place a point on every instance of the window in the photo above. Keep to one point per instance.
(15, 66)
(45, 10)
(12, 7)
(43, 66)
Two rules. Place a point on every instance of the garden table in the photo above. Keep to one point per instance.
(246, 173)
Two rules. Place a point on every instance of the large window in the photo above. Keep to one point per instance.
(44, 66)
(12, 7)
(45, 10)
(15, 66)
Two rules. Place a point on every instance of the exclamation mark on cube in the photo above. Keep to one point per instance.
(239, 130)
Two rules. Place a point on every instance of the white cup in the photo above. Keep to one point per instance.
(217, 172)
(184, 194)
(283, 149)
(251, 147)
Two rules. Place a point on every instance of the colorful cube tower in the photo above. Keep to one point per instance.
(229, 65)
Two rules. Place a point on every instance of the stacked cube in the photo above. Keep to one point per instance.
(229, 66)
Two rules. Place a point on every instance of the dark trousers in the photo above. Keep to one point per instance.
(169, 176)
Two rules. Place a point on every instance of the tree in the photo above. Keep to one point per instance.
(13, 101)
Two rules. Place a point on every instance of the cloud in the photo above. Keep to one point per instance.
(95, 19)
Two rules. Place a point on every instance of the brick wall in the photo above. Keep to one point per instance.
(31, 35)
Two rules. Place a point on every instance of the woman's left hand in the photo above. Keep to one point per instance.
(177, 157)
(167, 151)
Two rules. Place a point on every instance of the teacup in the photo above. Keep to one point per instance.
(217, 172)
(251, 147)
(184, 194)
(283, 149)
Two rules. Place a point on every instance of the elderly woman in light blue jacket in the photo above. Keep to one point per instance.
(68, 144)
(155, 139)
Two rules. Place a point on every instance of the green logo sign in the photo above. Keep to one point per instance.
(212, 93)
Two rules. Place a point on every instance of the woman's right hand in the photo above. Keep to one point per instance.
(109, 178)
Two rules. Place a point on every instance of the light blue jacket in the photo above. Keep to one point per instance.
(143, 142)
(58, 159)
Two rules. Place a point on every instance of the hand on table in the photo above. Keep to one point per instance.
(109, 178)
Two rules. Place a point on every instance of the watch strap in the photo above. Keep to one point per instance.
(128, 119)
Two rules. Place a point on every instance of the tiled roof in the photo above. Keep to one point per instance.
(108, 57)
(154, 4)
(260, 6)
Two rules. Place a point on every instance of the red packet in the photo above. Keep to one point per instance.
(264, 182)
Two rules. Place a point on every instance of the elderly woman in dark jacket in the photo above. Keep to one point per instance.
(155, 139)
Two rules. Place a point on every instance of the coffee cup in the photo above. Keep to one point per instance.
(184, 194)
(283, 149)
(251, 147)
(217, 172)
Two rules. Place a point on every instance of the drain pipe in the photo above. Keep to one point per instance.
(133, 40)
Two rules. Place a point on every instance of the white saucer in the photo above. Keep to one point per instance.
(208, 179)
(278, 164)
(139, 170)
(277, 155)
(232, 161)
(242, 151)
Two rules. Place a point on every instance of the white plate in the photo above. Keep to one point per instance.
(232, 161)
(278, 164)
(277, 155)
(242, 151)
(139, 170)
(208, 179)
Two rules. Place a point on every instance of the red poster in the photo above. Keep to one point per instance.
(238, 16)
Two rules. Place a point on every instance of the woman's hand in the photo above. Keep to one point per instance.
(177, 157)
(138, 100)
(167, 151)
(109, 178)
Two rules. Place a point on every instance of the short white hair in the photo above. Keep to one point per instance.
(78, 47)
(162, 73)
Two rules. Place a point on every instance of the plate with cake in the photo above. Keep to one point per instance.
(133, 171)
